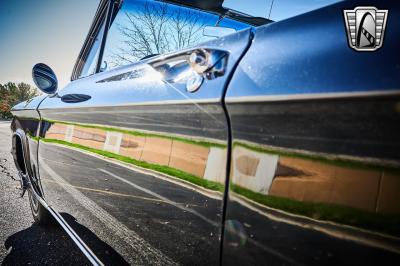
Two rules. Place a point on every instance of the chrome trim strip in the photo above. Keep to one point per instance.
(145, 131)
(71, 233)
(166, 102)
(310, 96)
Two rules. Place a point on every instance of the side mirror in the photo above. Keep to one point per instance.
(213, 31)
(44, 78)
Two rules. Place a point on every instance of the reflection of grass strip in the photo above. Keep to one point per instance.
(384, 223)
(332, 161)
(159, 168)
(142, 134)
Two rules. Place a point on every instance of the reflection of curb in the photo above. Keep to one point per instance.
(178, 181)
(341, 231)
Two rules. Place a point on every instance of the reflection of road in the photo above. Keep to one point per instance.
(146, 215)
(170, 221)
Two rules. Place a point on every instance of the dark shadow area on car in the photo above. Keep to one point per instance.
(38, 246)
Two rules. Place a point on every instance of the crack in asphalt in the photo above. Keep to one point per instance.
(22, 242)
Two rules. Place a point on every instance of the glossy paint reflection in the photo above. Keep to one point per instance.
(182, 157)
(315, 176)
(25, 125)
(296, 206)
(137, 212)
(142, 163)
(144, 188)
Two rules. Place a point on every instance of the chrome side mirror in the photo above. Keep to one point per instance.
(44, 78)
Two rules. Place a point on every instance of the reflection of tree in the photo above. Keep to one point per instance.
(11, 94)
(156, 29)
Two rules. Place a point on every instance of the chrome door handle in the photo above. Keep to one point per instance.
(192, 66)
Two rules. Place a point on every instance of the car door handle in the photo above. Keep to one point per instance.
(75, 98)
(192, 66)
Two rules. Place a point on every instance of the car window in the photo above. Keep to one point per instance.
(89, 67)
(145, 28)
(276, 9)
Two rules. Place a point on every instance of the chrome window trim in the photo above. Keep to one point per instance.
(110, 12)
(101, 15)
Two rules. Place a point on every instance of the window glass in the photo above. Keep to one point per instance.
(145, 28)
(91, 60)
(276, 9)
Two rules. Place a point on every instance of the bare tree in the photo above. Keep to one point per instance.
(186, 26)
(156, 29)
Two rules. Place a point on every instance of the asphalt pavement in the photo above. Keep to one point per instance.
(22, 242)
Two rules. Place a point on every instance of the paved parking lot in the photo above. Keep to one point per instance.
(21, 241)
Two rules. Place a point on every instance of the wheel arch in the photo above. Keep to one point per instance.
(20, 151)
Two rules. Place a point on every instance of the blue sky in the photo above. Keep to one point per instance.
(48, 31)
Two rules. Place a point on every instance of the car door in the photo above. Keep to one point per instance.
(134, 156)
(315, 158)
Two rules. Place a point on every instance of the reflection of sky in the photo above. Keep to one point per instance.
(116, 41)
(281, 9)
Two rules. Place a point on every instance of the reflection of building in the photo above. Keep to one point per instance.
(200, 160)
(311, 180)
(293, 177)
(372, 190)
